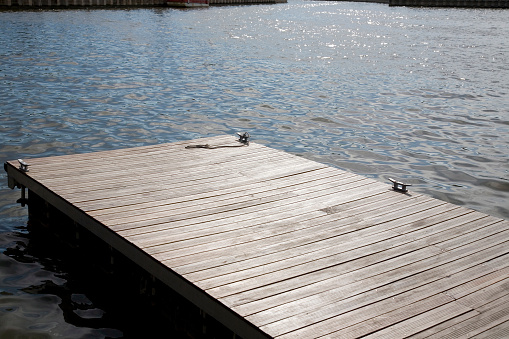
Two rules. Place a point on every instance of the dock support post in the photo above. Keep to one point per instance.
(111, 264)
(23, 200)
(204, 321)
(153, 286)
(77, 234)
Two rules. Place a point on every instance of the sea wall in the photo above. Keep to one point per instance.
(78, 3)
(441, 3)
(113, 3)
(452, 3)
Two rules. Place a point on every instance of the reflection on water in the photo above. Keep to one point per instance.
(38, 298)
(417, 94)
(48, 291)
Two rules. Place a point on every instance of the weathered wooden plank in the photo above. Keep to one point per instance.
(294, 289)
(160, 171)
(166, 159)
(436, 328)
(193, 191)
(489, 314)
(261, 217)
(132, 187)
(422, 321)
(360, 188)
(280, 275)
(367, 296)
(499, 331)
(295, 284)
(103, 172)
(322, 256)
(275, 321)
(118, 154)
(277, 251)
(387, 319)
(242, 190)
(484, 294)
(467, 324)
(294, 194)
(115, 171)
(301, 237)
(235, 200)
(379, 315)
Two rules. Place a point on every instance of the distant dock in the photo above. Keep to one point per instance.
(441, 3)
(26, 4)
(272, 245)
(452, 3)
(21, 4)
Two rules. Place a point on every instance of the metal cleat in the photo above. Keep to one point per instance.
(23, 165)
(399, 186)
(243, 138)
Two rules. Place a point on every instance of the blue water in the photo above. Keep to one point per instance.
(412, 93)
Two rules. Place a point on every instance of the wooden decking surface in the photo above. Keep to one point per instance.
(275, 245)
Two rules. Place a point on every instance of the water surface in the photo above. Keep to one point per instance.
(416, 94)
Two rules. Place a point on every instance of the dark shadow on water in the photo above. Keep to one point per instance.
(46, 287)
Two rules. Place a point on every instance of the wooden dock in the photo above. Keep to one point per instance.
(274, 245)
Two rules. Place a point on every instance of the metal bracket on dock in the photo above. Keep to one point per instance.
(399, 186)
(23, 165)
(23, 200)
(243, 138)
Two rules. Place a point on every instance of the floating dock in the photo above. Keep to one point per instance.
(273, 245)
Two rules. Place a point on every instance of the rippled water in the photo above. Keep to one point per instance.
(417, 94)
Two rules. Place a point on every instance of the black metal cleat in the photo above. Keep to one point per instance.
(243, 138)
(399, 186)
